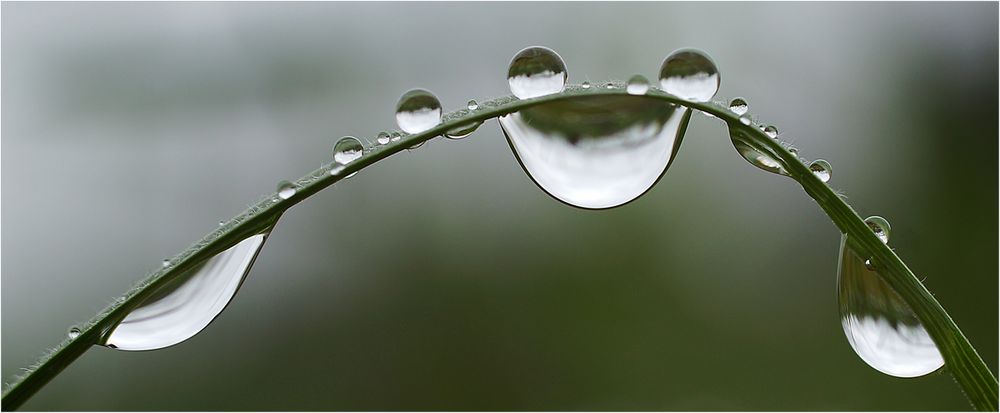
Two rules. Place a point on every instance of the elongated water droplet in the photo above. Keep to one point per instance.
(186, 304)
(286, 189)
(382, 138)
(418, 110)
(596, 151)
(637, 85)
(757, 157)
(821, 169)
(347, 150)
(585, 85)
(771, 131)
(463, 130)
(881, 328)
(536, 71)
(880, 226)
(473, 105)
(739, 106)
(74, 332)
(689, 74)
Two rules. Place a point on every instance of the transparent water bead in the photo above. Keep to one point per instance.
(596, 152)
(536, 71)
(821, 169)
(610, 85)
(473, 105)
(418, 110)
(637, 85)
(186, 304)
(463, 131)
(585, 85)
(689, 74)
(880, 327)
(880, 226)
(74, 332)
(396, 136)
(739, 106)
(771, 131)
(757, 157)
(165, 263)
(382, 138)
(286, 189)
(745, 120)
(348, 149)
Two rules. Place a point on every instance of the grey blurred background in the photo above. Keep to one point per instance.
(442, 278)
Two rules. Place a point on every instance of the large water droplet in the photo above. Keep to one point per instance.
(881, 328)
(637, 85)
(536, 71)
(188, 303)
(739, 106)
(596, 151)
(286, 189)
(689, 74)
(821, 169)
(418, 110)
(347, 150)
(462, 131)
(757, 157)
(880, 226)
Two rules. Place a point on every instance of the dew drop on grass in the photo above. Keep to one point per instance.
(462, 131)
(473, 105)
(745, 120)
(418, 110)
(165, 263)
(739, 106)
(585, 85)
(536, 71)
(286, 189)
(689, 74)
(880, 327)
(821, 169)
(596, 151)
(396, 137)
(74, 332)
(757, 157)
(382, 138)
(771, 131)
(610, 85)
(637, 85)
(186, 304)
(347, 150)
(793, 151)
(880, 226)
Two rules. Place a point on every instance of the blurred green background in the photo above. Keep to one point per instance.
(442, 278)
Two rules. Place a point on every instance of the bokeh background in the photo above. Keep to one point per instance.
(442, 278)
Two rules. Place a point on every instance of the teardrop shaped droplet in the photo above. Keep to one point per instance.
(880, 226)
(286, 189)
(463, 131)
(382, 138)
(185, 305)
(418, 110)
(821, 169)
(536, 71)
(739, 106)
(348, 149)
(597, 151)
(771, 131)
(881, 328)
(689, 74)
(637, 85)
(473, 105)
(73, 333)
(757, 157)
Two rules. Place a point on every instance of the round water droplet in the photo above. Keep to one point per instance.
(382, 138)
(821, 169)
(880, 226)
(771, 131)
(536, 71)
(745, 120)
(689, 74)
(637, 85)
(286, 189)
(463, 130)
(74, 332)
(739, 106)
(473, 105)
(585, 85)
(418, 110)
(347, 150)
(396, 136)
(165, 263)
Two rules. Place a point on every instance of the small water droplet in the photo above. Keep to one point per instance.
(473, 105)
(396, 136)
(637, 85)
(870, 265)
(418, 110)
(689, 74)
(739, 106)
(222, 223)
(382, 138)
(821, 169)
(536, 71)
(880, 226)
(463, 131)
(610, 85)
(74, 332)
(347, 150)
(585, 85)
(771, 131)
(745, 120)
(165, 263)
(286, 189)
(793, 151)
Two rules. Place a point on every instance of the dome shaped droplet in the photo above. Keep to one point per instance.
(382, 138)
(689, 74)
(771, 131)
(637, 85)
(821, 169)
(286, 189)
(418, 110)
(739, 106)
(74, 332)
(880, 226)
(463, 131)
(585, 85)
(536, 71)
(347, 150)
(473, 105)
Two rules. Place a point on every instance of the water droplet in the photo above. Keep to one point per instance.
(610, 85)
(462, 131)
(637, 85)
(382, 138)
(473, 105)
(74, 332)
(870, 265)
(739, 106)
(596, 151)
(880, 327)
(165, 263)
(536, 71)
(880, 226)
(222, 223)
(347, 150)
(793, 151)
(185, 305)
(585, 85)
(286, 189)
(689, 74)
(745, 120)
(757, 157)
(821, 169)
(771, 131)
(396, 136)
(418, 110)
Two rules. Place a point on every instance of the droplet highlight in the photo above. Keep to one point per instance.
(536, 71)
(418, 110)
(690, 74)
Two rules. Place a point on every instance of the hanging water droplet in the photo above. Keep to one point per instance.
(880, 226)
(473, 105)
(418, 110)
(347, 150)
(739, 106)
(756, 157)
(689, 74)
(73, 333)
(771, 131)
(286, 189)
(382, 138)
(165, 263)
(821, 169)
(637, 85)
(585, 85)
(880, 327)
(745, 120)
(596, 151)
(462, 131)
(186, 304)
(536, 71)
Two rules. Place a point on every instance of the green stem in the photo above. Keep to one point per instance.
(969, 370)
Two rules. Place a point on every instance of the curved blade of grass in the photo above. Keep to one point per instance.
(961, 359)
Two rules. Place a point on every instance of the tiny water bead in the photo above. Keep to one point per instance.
(463, 131)
(821, 169)
(689, 74)
(793, 151)
(771, 131)
(396, 136)
(165, 263)
(536, 71)
(880, 226)
(739, 106)
(286, 189)
(382, 138)
(473, 105)
(745, 120)
(74, 332)
(609, 85)
(637, 85)
(418, 110)
(585, 85)
(347, 150)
